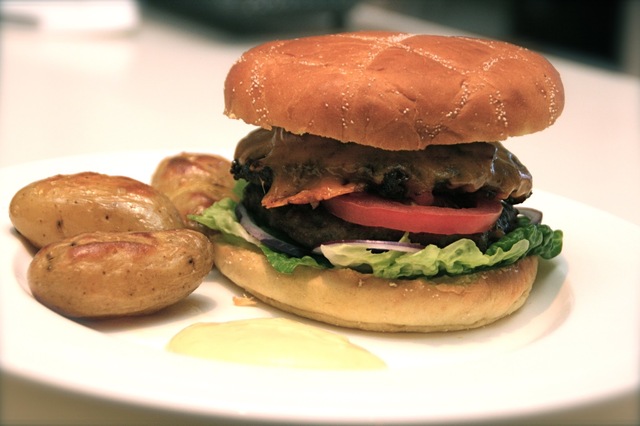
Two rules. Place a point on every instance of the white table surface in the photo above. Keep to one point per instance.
(160, 87)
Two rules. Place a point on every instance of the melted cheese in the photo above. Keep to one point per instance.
(306, 169)
(273, 342)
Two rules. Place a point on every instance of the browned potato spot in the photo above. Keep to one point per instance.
(110, 274)
(66, 205)
(194, 182)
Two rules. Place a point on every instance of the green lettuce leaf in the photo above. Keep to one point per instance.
(460, 257)
(221, 216)
(286, 264)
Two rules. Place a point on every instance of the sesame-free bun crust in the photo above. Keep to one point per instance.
(351, 299)
(395, 91)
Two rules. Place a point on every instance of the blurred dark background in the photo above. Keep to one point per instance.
(604, 33)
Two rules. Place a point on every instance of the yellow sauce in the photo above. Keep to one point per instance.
(275, 342)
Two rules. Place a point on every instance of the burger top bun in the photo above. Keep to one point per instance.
(395, 91)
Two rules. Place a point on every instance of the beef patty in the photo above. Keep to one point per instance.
(309, 227)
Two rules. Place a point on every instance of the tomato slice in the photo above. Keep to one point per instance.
(369, 210)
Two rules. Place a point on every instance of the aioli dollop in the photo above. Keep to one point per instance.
(276, 342)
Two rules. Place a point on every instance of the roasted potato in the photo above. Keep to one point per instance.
(62, 206)
(193, 182)
(112, 274)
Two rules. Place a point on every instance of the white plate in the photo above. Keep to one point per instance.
(573, 343)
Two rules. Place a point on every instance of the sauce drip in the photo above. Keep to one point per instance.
(275, 342)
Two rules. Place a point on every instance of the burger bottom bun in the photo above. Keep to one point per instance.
(347, 298)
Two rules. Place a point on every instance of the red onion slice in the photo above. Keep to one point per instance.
(535, 216)
(265, 237)
(375, 245)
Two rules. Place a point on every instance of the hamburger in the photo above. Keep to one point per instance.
(375, 192)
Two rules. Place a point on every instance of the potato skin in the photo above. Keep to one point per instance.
(113, 274)
(194, 182)
(65, 205)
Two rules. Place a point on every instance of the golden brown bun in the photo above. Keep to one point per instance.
(348, 298)
(395, 91)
